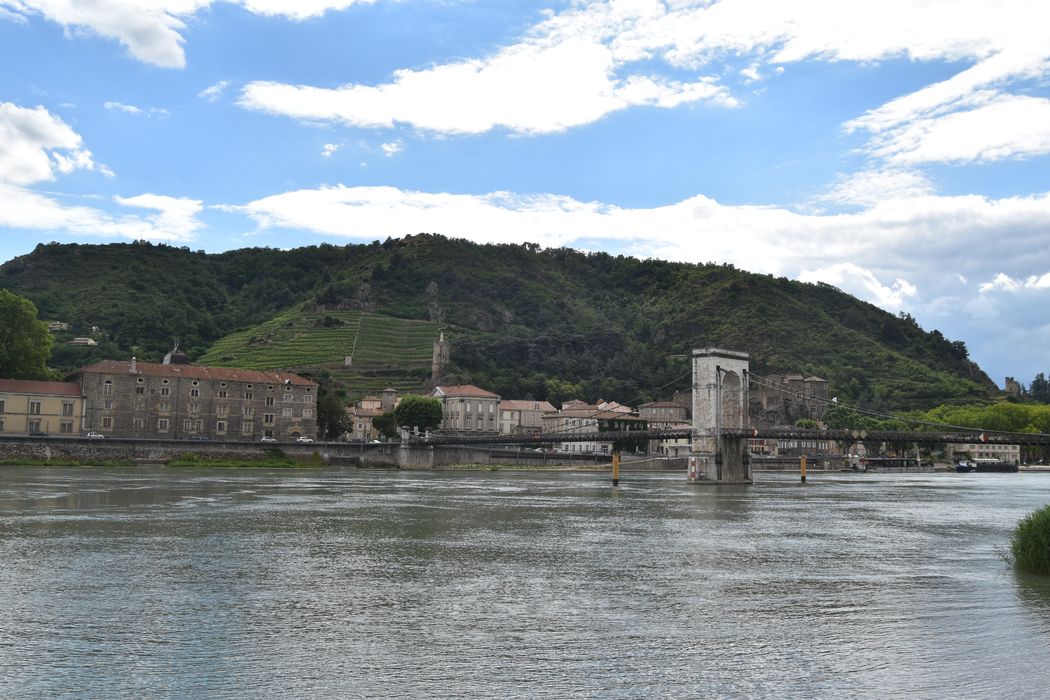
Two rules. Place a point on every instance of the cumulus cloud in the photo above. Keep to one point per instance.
(328, 149)
(37, 146)
(34, 144)
(392, 148)
(1004, 283)
(151, 30)
(863, 284)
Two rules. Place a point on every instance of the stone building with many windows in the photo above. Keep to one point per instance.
(33, 408)
(467, 408)
(183, 401)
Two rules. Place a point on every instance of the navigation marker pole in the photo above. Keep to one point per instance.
(616, 468)
(802, 467)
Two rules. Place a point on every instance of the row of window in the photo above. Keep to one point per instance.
(35, 407)
(36, 426)
(107, 390)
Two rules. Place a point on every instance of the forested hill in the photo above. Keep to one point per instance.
(522, 321)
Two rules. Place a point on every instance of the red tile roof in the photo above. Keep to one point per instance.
(662, 404)
(23, 386)
(230, 374)
(466, 390)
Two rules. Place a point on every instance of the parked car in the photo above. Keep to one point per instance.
(37, 433)
(267, 438)
(95, 436)
(198, 437)
(304, 438)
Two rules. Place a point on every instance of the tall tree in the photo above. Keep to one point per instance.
(25, 343)
(332, 420)
(421, 412)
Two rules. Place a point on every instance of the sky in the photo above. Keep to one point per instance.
(898, 150)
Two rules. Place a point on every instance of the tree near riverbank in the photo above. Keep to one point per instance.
(25, 343)
(423, 412)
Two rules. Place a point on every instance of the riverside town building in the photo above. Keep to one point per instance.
(35, 408)
(175, 401)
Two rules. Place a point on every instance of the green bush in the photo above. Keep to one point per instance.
(1031, 542)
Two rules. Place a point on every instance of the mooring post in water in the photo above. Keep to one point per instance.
(802, 467)
(616, 468)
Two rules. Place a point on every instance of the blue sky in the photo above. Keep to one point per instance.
(897, 150)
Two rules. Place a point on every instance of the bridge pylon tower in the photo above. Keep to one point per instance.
(720, 402)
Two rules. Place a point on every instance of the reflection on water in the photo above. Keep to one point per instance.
(133, 583)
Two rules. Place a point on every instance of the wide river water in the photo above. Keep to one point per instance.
(347, 584)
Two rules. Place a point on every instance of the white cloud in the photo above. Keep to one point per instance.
(329, 149)
(35, 143)
(175, 219)
(863, 284)
(533, 87)
(151, 30)
(214, 91)
(392, 148)
(870, 187)
(1004, 283)
(36, 146)
(136, 111)
(596, 58)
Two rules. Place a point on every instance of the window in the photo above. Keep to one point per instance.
(308, 398)
(286, 412)
(165, 391)
(289, 397)
(107, 388)
(247, 427)
(269, 401)
(107, 404)
(34, 426)
(247, 411)
(466, 422)
(137, 423)
(467, 407)
(66, 427)
(220, 426)
(34, 408)
(107, 421)
(162, 425)
(1, 405)
(308, 413)
(140, 380)
(195, 408)
(67, 408)
(223, 394)
(1, 425)
(140, 390)
(140, 405)
(198, 425)
(186, 425)
(268, 419)
(162, 406)
(195, 393)
(222, 410)
(249, 395)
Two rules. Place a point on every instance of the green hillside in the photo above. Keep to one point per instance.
(522, 321)
(384, 351)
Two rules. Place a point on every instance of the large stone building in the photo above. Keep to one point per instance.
(522, 417)
(177, 401)
(781, 400)
(581, 419)
(35, 408)
(467, 408)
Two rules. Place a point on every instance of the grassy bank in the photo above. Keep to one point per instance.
(274, 459)
(1031, 543)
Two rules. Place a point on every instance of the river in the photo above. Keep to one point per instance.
(132, 583)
